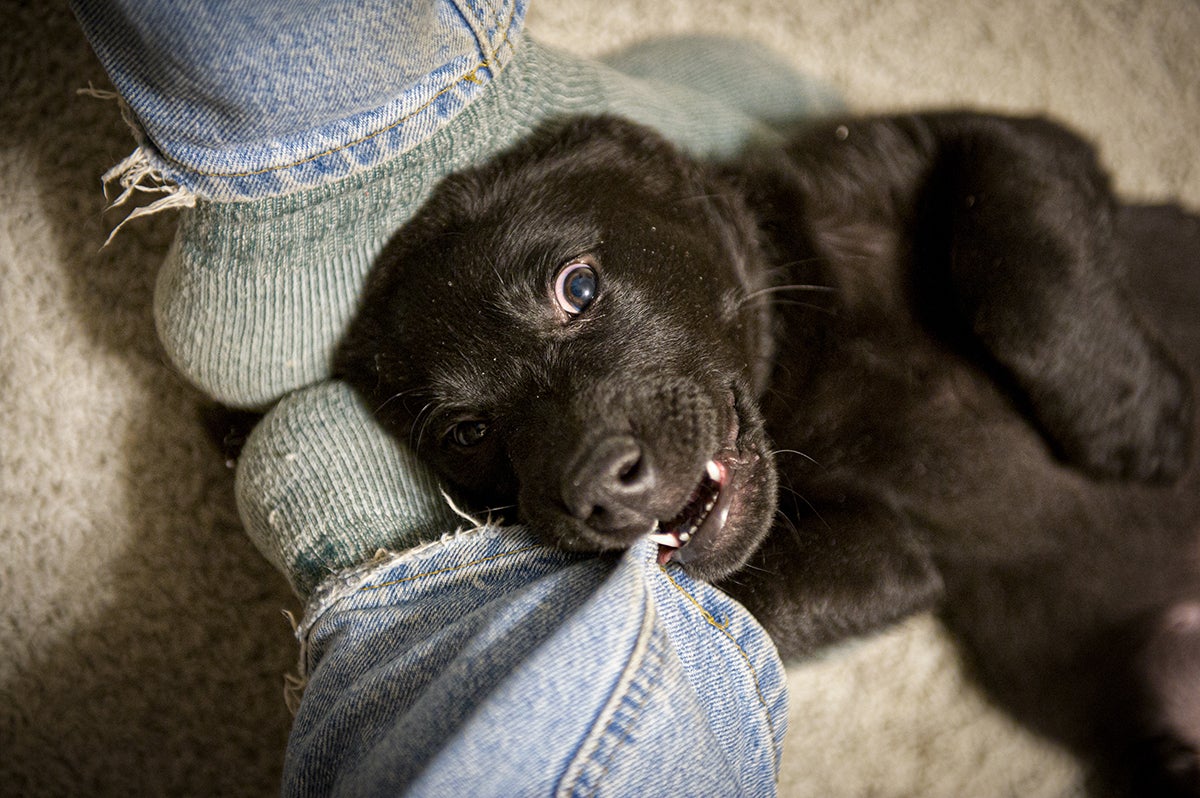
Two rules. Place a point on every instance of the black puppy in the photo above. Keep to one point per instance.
(916, 328)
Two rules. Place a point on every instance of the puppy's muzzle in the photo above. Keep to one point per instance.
(611, 487)
(606, 464)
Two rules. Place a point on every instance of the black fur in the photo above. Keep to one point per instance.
(937, 322)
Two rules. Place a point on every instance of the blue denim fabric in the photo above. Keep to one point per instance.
(243, 99)
(490, 664)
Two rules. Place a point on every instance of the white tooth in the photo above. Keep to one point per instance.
(714, 471)
(684, 537)
(664, 539)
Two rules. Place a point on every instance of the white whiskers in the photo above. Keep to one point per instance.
(771, 290)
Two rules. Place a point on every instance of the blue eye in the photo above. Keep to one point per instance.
(575, 287)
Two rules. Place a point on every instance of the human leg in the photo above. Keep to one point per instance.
(484, 661)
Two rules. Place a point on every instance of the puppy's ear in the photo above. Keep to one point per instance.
(373, 348)
(359, 359)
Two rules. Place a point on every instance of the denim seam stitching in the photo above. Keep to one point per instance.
(723, 628)
(644, 648)
(451, 569)
(470, 77)
(476, 24)
(654, 658)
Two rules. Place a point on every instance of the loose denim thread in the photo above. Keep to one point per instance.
(724, 629)
(451, 569)
(454, 508)
(133, 173)
(294, 684)
(136, 172)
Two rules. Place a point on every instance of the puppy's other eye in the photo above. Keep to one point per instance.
(468, 433)
(575, 287)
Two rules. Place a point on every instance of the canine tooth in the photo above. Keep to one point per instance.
(664, 539)
(714, 470)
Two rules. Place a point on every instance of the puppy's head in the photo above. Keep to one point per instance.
(569, 330)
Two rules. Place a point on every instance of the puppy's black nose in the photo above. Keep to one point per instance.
(611, 487)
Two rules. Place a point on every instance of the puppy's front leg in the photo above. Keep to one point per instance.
(1022, 216)
(850, 569)
(999, 233)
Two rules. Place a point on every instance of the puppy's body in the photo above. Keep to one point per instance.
(1045, 521)
(965, 410)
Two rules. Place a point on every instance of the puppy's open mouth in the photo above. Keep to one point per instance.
(705, 513)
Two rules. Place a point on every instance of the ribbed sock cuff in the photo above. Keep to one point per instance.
(321, 487)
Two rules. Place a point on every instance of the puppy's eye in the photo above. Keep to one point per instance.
(468, 433)
(575, 287)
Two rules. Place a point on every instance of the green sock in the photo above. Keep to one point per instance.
(254, 296)
(321, 487)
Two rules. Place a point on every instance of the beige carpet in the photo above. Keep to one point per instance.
(142, 645)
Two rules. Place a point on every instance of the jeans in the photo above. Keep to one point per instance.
(244, 99)
(490, 664)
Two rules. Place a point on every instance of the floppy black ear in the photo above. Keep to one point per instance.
(372, 349)
(358, 358)
(371, 356)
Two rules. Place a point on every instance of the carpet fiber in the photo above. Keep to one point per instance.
(142, 643)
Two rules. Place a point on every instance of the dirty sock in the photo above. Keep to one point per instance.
(321, 487)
